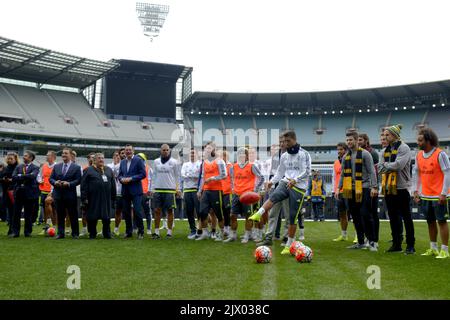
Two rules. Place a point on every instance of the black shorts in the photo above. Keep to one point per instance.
(164, 200)
(119, 203)
(340, 205)
(433, 211)
(238, 208)
(211, 199)
(295, 197)
(226, 201)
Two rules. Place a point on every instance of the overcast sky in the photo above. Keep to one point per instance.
(253, 45)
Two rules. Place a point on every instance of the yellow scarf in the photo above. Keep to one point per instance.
(347, 189)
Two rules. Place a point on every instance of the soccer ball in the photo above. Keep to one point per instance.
(304, 254)
(263, 254)
(295, 246)
(51, 232)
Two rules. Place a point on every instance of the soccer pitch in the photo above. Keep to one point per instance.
(36, 268)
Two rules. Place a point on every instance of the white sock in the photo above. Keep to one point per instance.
(49, 221)
(444, 248)
(169, 232)
(247, 234)
(157, 231)
(84, 229)
(434, 246)
(261, 211)
(344, 233)
(302, 232)
(116, 229)
(289, 242)
(205, 230)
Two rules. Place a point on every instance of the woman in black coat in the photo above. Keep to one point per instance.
(12, 160)
(98, 194)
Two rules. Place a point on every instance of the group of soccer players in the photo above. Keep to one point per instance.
(211, 186)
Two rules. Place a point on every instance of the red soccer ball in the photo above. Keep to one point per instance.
(249, 198)
(51, 232)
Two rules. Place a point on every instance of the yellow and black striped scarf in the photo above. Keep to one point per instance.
(347, 182)
(389, 180)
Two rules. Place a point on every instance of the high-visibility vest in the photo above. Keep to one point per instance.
(45, 186)
(337, 167)
(145, 180)
(226, 183)
(211, 169)
(243, 179)
(430, 174)
(316, 188)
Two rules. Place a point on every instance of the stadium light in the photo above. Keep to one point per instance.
(199, 112)
(265, 113)
(273, 113)
(376, 110)
(413, 107)
(299, 113)
(368, 110)
(443, 105)
(232, 113)
(240, 113)
(257, 113)
(192, 111)
(151, 17)
(332, 112)
(324, 112)
(207, 112)
(292, 113)
(434, 106)
(224, 113)
(341, 112)
(306, 112)
(404, 108)
(360, 110)
(396, 108)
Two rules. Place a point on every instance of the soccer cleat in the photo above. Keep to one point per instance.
(355, 240)
(42, 233)
(140, 237)
(149, 231)
(431, 252)
(202, 236)
(286, 250)
(373, 247)
(213, 235)
(192, 235)
(341, 238)
(218, 238)
(168, 236)
(255, 217)
(230, 239)
(442, 255)
(117, 233)
(410, 250)
(245, 240)
(265, 242)
(357, 246)
(156, 236)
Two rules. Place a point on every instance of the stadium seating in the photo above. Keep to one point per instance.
(439, 120)
(67, 114)
(371, 124)
(409, 119)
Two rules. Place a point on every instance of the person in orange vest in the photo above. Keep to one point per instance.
(146, 193)
(245, 176)
(48, 214)
(210, 192)
(340, 204)
(316, 192)
(432, 189)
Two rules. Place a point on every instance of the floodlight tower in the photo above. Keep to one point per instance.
(152, 17)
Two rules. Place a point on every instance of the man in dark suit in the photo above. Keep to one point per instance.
(26, 194)
(64, 178)
(131, 172)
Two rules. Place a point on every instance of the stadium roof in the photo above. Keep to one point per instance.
(380, 98)
(133, 68)
(25, 62)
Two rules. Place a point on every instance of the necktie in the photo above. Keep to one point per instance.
(64, 169)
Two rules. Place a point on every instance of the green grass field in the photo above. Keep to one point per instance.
(35, 268)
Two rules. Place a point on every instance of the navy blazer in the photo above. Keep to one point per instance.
(73, 176)
(136, 173)
(26, 181)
